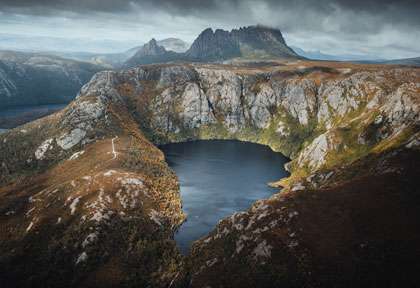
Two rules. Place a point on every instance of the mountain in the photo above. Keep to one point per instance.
(36, 78)
(252, 43)
(248, 42)
(151, 53)
(213, 46)
(87, 199)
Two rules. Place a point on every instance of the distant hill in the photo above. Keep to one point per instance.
(116, 60)
(407, 61)
(37, 79)
(318, 55)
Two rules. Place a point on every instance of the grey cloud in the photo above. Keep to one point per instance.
(331, 25)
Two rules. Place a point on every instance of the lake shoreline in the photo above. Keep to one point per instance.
(219, 178)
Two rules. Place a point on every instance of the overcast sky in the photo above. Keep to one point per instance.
(388, 29)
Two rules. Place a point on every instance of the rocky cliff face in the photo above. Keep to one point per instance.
(32, 79)
(254, 42)
(260, 41)
(212, 46)
(87, 184)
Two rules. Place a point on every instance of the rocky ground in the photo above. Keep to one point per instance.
(86, 199)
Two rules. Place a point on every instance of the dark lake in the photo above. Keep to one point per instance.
(219, 178)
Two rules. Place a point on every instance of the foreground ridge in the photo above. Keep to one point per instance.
(74, 213)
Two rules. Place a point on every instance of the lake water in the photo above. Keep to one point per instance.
(219, 178)
(16, 116)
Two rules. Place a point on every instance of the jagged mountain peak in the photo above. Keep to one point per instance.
(249, 42)
(151, 48)
(152, 52)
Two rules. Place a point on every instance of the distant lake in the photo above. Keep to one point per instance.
(16, 116)
(219, 178)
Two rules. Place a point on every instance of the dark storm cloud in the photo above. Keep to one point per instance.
(306, 14)
(392, 8)
(332, 25)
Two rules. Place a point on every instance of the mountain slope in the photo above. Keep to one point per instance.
(36, 79)
(86, 198)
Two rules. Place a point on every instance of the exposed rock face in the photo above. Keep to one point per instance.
(250, 42)
(32, 79)
(211, 46)
(263, 41)
(85, 193)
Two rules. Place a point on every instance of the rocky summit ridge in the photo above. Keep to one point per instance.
(252, 42)
(87, 199)
(248, 42)
(152, 52)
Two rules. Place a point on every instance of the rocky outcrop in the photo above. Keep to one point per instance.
(36, 79)
(85, 192)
